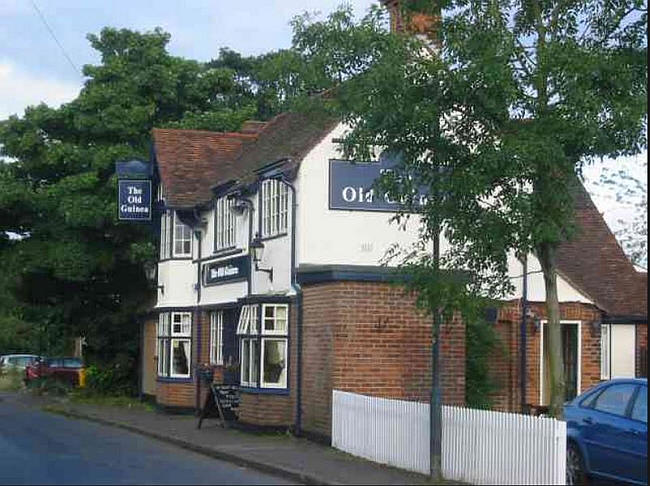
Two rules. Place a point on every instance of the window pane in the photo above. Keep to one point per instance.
(254, 319)
(274, 362)
(255, 366)
(242, 326)
(180, 357)
(245, 361)
(275, 319)
(640, 408)
(604, 352)
(614, 399)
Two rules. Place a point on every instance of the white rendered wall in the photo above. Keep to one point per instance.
(337, 236)
(536, 289)
(361, 237)
(178, 278)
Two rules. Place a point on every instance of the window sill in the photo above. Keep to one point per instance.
(169, 379)
(174, 258)
(264, 391)
(274, 237)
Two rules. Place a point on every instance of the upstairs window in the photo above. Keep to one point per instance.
(165, 235)
(275, 208)
(224, 224)
(182, 238)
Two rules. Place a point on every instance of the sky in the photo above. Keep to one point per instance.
(33, 67)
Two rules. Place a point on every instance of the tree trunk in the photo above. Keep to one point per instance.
(546, 254)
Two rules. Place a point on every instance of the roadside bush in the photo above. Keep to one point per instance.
(49, 386)
(482, 342)
(110, 380)
(11, 379)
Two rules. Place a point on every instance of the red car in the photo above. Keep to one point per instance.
(68, 370)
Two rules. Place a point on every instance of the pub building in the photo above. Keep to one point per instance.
(270, 278)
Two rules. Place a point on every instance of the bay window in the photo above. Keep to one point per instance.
(224, 224)
(264, 345)
(174, 344)
(275, 208)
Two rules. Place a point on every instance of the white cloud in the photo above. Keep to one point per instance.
(19, 89)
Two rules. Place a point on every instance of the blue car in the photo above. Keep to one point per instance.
(607, 433)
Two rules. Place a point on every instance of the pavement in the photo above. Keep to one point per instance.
(43, 448)
(295, 459)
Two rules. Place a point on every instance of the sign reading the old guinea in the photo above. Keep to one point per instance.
(227, 270)
(351, 186)
(134, 200)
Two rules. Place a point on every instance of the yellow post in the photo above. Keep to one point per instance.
(82, 377)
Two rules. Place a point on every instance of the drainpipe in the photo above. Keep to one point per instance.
(298, 289)
(198, 234)
(522, 333)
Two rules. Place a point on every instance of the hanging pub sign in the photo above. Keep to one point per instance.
(227, 270)
(133, 190)
(351, 186)
(134, 201)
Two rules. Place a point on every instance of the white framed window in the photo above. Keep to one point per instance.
(275, 208)
(165, 235)
(274, 363)
(249, 362)
(275, 319)
(216, 337)
(174, 344)
(264, 345)
(162, 344)
(248, 320)
(605, 341)
(224, 224)
(182, 238)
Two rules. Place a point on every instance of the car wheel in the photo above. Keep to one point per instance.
(575, 465)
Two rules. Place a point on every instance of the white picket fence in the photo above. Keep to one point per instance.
(478, 446)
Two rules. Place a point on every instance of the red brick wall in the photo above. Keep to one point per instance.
(506, 362)
(642, 350)
(369, 338)
(171, 394)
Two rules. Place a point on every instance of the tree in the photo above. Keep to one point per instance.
(631, 192)
(76, 270)
(497, 122)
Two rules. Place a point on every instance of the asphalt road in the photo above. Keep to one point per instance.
(42, 448)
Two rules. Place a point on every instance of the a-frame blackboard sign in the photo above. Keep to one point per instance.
(221, 402)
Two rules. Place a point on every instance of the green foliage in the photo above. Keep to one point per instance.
(481, 344)
(11, 379)
(75, 270)
(111, 380)
(49, 386)
(497, 124)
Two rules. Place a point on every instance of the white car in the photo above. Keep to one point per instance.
(19, 361)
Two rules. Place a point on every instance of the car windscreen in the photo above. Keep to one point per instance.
(72, 363)
(55, 363)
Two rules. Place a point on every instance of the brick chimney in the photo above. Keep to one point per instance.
(413, 22)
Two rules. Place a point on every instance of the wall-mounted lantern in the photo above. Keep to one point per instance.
(257, 251)
(151, 273)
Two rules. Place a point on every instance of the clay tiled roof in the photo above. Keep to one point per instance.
(191, 162)
(594, 261)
